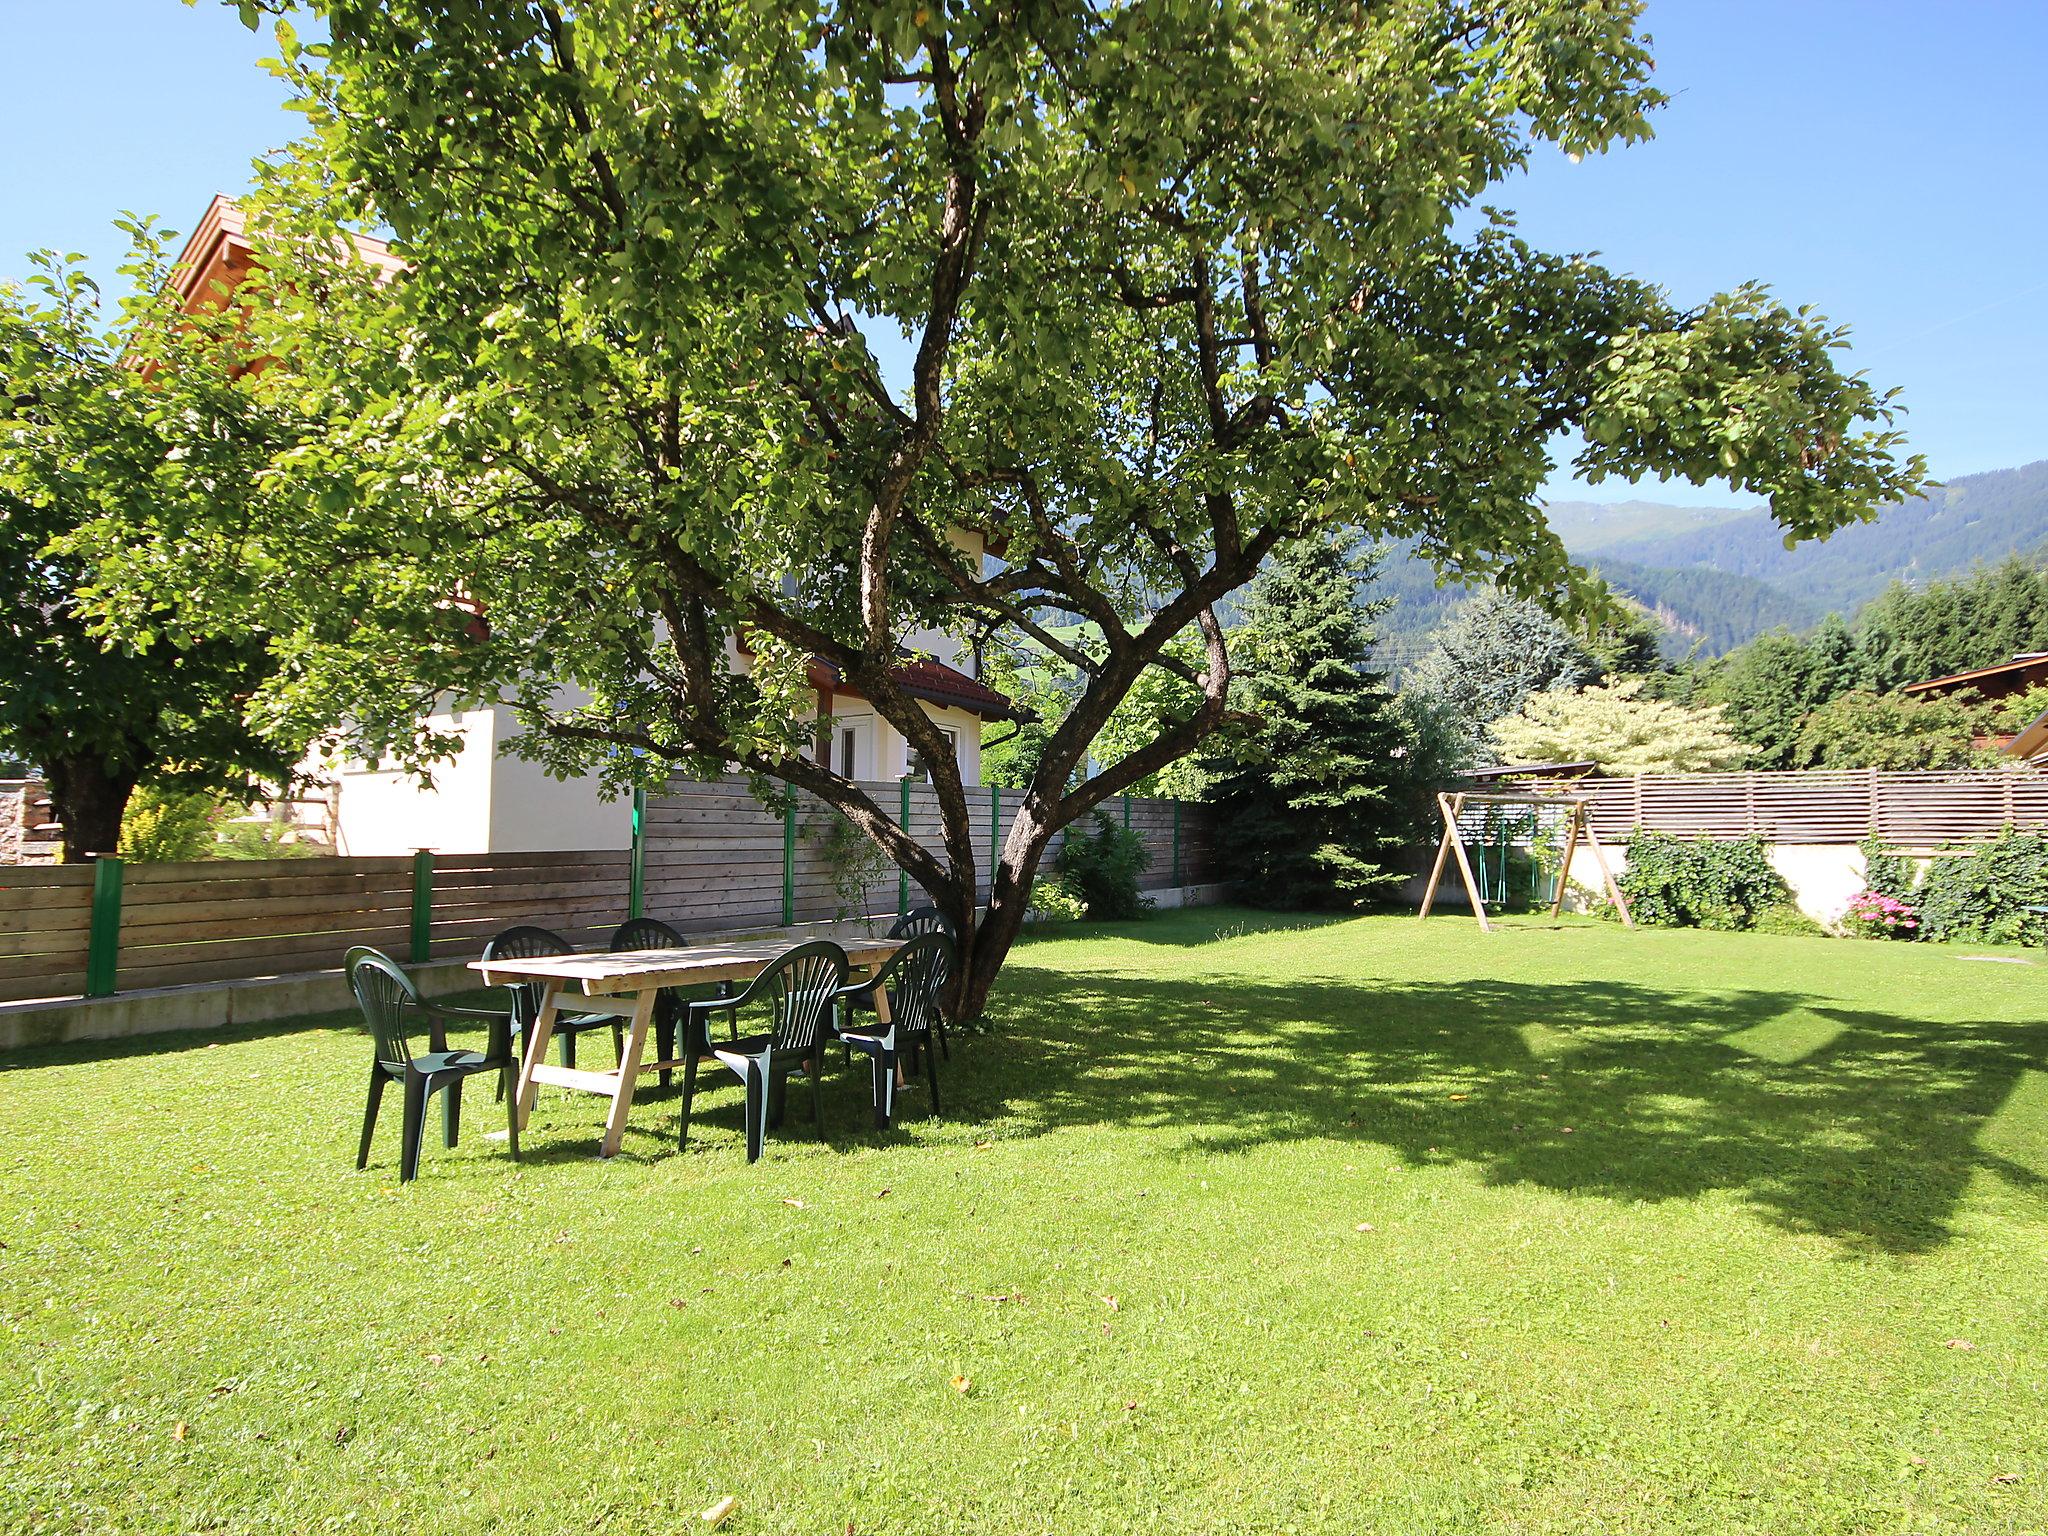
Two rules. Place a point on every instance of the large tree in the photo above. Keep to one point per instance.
(1491, 653)
(1318, 810)
(1170, 283)
(129, 418)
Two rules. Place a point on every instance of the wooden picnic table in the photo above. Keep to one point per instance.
(627, 983)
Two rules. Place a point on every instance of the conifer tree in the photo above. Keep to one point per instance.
(1315, 815)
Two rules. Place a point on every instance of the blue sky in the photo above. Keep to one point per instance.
(1878, 158)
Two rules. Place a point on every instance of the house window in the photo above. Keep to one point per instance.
(922, 769)
(849, 752)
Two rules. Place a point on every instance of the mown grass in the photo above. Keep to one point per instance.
(1232, 1224)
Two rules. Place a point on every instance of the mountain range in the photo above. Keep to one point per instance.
(1717, 576)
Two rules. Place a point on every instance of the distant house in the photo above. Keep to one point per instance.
(2027, 670)
(482, 801)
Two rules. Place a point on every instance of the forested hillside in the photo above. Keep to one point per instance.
(1973, 520)
(1718, 576)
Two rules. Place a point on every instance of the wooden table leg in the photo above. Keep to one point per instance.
(537, 1047)
(629, 1072)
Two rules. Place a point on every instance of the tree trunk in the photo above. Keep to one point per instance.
(89, 799)
(1009, 900)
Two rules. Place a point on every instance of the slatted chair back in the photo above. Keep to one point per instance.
(921, 920)
(526, 943)
(644, 933)
(384, 993)
(917, 981)
(800, 985)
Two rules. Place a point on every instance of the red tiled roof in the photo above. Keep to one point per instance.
(934, 682)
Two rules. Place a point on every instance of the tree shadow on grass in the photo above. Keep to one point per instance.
(1852, 1124)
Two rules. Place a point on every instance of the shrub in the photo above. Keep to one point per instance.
(1101, 869)
(1783, 917)
(168, 826)
(1671, 882)
(1051, 900)
(261, 840)
(1874, 915)
(1980, 897)
(1886, 873)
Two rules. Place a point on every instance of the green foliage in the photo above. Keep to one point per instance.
(1895, 731)
(261, 839)
(1054, 900)
(1885, 871)
(1785, 918)
(1771, 685)
(1911, 633)
(1628, 643)
(1157, 700)
(1620, 731)
(169, 826)
(1181, 284)
(90, 437)
(2012, 714)
(1979, 896)
(1099, 867)
(1491, 654)
(1317, 806)
(1675, 882)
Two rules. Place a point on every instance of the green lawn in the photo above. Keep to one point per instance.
(1231, 1225)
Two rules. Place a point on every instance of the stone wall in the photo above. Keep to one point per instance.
(24, 814)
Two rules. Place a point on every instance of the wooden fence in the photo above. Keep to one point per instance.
(1905, 810)
(711, 859)
(716, 859)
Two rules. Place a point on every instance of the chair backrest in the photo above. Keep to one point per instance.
(526, 943)
(921, 920)
(384, 992)
(800, 984)
(917, 982)
(644, 933)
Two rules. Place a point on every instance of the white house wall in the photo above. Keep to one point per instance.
(480, 802)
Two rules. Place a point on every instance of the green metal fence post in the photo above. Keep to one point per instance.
(1127, 813)
(636, 868)
(789, 863)
(995, 831)
(103, 942)
(422, 905)
(1176, 842)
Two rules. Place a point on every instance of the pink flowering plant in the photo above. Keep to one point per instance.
(1873, 915)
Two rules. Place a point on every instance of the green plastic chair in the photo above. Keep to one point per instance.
(915, 923)
(530, 943)
(798, 988)
(653, 933)
(386, 996)
(916, 977)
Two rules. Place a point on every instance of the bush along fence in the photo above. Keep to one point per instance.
(706, 857)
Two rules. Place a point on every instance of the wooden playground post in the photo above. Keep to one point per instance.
(1452, 845)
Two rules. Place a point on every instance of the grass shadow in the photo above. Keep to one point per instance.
(1852, 1124)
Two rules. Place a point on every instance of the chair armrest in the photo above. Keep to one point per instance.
(498, 1040)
